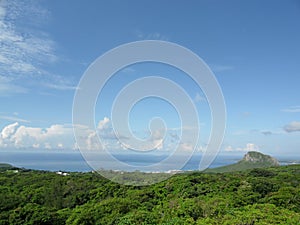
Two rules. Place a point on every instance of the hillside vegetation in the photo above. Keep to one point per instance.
(257, 196)
(5, 166)
(251, 160)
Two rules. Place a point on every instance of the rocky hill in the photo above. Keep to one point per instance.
(257, 157)
(251, 160)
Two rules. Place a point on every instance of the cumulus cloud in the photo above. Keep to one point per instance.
(247, 148)
(9, 130)
(19, 136)
(158, 139)
(104, 124)
(103, 137)
(155, 142)
(145, 146)
(251, 147)
(92, 142)
(292, 127)
(60, 136)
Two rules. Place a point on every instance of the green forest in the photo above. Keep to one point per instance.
(256, 196)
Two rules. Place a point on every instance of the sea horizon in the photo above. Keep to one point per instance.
(73, 161)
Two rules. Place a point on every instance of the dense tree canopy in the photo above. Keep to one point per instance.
(258, 196)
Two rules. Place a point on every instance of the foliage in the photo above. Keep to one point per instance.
(257, 196)
(5, 166)
(251, 160)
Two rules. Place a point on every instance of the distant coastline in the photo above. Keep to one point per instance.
(74, 162)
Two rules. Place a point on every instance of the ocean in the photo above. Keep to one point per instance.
(73, 161)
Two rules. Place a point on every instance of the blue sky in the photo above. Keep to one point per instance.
(251, 46)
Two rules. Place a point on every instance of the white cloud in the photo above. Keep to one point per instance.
(158, 143)
(47, 146)
(249, 147)
(186, 147)
(88, 138)
(292, 109)
(201, 148)
(155, 142)
(20, 136)
(99, 139)
(292, 127)
(9, 130)
(22, 49)
(104, 124)
(36, 145)
(60, 145)
(25, 48)
(14, 118)
(61, 87)
(57, 136)
(60, 136)
(229, 148)
(7, 86)
(91, 142)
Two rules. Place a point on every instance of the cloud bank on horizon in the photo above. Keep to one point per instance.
(60, 136)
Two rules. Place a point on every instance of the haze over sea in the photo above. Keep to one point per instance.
(73, 161)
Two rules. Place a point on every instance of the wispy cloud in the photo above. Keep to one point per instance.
(292, 109)
(14, 118)
(61, 87)
(8, 87)
(26, 50)
(266, 132)
(22, 50)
